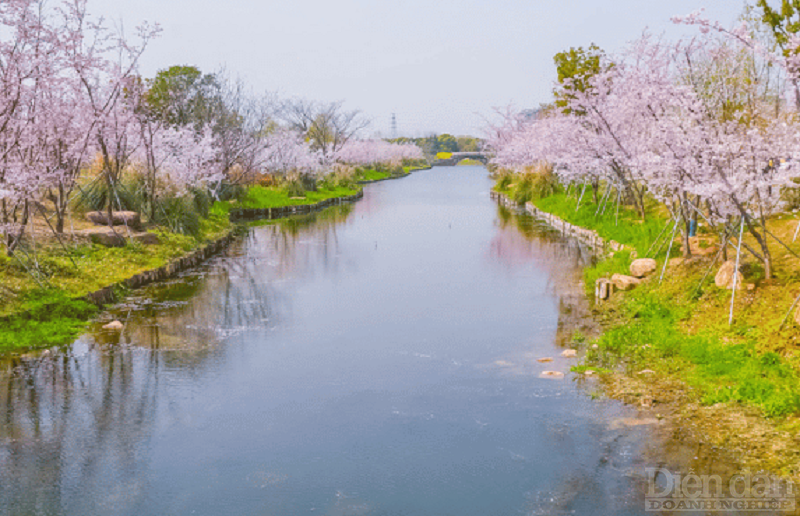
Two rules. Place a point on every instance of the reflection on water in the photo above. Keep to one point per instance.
(376, 358)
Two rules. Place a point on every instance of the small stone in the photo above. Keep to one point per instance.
(646, 371)
(696, 247)
(104, 236)
(544, 360)
(552, 374)
(113, 325)
(751, 286)
(589, 373)
(595, 346)
(569, 353)
(145, 238)
(642, 267)
(603, 288)
(675, 262)
(629, 422)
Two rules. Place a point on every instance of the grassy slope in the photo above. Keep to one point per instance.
(680, 327)
(75, 272)
(372, 175)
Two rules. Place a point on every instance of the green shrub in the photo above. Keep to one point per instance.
(180, 214)
(294, 188)
(128, 196)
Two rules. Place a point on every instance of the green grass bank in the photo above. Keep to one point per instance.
(667, 346)
(46, 307)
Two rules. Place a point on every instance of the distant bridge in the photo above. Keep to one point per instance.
(455, 157)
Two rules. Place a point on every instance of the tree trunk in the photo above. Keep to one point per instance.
(687, 227)
(110, 203)
(13, 241)
(687, 250)
(723, 238)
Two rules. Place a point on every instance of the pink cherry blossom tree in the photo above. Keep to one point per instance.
(650, 126)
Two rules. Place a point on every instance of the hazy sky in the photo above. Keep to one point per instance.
(440, 65)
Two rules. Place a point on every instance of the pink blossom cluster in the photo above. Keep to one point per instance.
(285, 151)
(641, 125)
(373, 152)
(181, 158)
(651, 124)
(69, 94)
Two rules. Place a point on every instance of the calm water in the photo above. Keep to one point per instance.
(373, 359)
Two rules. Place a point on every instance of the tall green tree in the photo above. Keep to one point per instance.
(447, 143)
(182, 95)
(575, 68)
(784, 23)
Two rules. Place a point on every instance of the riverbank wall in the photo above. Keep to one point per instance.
(586, 236)
(248, 214)
(111, 294)
(388, 178)
(107, 295)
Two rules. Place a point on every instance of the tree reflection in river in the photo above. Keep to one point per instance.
(336, 364)
(60, 434)
(518, 242)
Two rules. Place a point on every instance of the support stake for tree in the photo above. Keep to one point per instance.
(736, 271)
(658, 239)
(796, 230)
(789, 312)
(603, 201)
(669, 250)
(581, 197)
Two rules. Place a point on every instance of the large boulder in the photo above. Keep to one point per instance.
(642, 267)
(119, 218)
(623, 282)
(725, 275)
(104, 236)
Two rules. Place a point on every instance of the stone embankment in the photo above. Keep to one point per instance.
(370, 181)
(604, 287)
(108, 294)
(586, 236)
(244, 214)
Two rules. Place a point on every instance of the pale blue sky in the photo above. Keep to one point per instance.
(440, 65)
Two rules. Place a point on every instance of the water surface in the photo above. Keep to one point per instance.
(378, 359)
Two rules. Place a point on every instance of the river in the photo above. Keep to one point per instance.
(378, 358)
